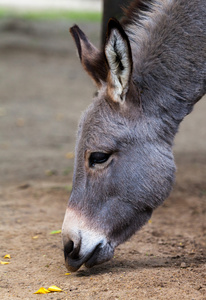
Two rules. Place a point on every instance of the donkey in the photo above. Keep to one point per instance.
(149, 74)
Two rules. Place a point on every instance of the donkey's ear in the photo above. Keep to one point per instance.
(119, 57)
(91, 58)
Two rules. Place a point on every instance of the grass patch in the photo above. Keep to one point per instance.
(53, 15)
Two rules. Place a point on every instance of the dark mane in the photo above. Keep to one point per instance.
(134, 10)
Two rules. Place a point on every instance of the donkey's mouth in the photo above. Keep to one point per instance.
(100, 254)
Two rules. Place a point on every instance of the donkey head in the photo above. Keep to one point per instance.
(122, 171)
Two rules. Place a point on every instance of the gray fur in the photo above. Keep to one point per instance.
(168, 45)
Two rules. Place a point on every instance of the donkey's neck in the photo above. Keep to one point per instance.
(169, 52)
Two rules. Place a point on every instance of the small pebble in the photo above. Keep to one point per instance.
(183, 265)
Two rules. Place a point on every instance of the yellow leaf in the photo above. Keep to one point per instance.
(67, 274)
(54, 288)
(42, 290)
(4, 262)
(7, 256)
(150, 221)
(35, 237)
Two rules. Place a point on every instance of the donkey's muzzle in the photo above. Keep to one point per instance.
(83, 244)
(74, 260)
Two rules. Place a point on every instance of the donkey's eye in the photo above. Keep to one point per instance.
(98, 158)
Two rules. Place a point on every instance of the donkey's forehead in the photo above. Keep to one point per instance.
(102, 125)
(99, 116)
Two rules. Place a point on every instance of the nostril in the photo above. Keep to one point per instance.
(68, 248)
(75, 253)
(71, 250)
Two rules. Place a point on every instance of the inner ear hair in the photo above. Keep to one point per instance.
(117, 54)
(119, 58)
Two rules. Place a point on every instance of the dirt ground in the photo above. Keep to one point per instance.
(42, 94)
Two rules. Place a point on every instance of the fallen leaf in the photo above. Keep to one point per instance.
(42, 290)
(7, 256)
(4, 262)
(67, 274)
(54, 288)
(150, 221)
(55, 231)
(35, 237)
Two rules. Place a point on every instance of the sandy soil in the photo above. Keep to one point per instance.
(42, 94)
